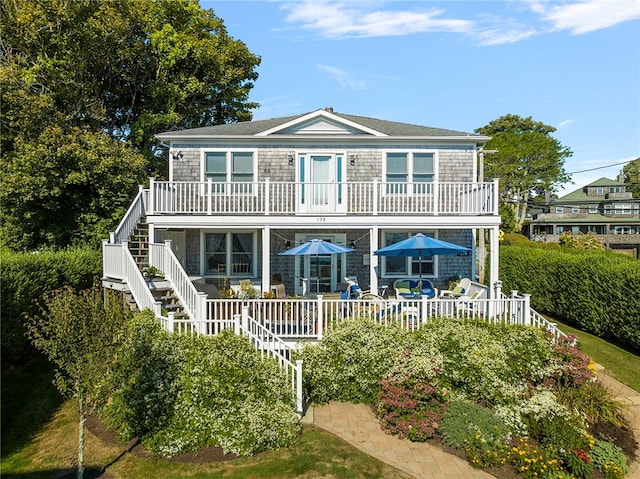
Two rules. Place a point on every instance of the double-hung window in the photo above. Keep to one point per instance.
(234, 167)
(229, 254)
(403, 168)
(406, 266)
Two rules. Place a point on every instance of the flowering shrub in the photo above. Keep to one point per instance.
(609, 458)
(351, 359)
(411, 408)
(568, 366)
(531, 461)
(579, 463)
(183, 393)
(483, 451)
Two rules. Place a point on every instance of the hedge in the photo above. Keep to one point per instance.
(25, 277)
(596, 291)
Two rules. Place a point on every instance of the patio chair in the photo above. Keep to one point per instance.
(461, 289)
(467, 304)
(411, 289)
(280, 291)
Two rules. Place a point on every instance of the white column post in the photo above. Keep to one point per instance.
(201, 312)
(320, 319)
(374, 261)
(266, 258)
(299, 404)
(171, 322)
(494, 252)
(376, 185)
(267, 196)
(209, 196)
(152, 197)
(436, 196)
(527, 309)
(245, 317)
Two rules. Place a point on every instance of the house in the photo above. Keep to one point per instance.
(603, 207)
(239, 194)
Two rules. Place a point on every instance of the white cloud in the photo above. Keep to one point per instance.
(588, 16)
(343, 78)
(339, 20)
(564, 123)
(495, 36)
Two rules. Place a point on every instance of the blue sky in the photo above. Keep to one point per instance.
(571, 64)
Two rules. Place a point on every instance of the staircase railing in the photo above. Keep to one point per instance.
(132, 217)
(194, 302)
(272, 346)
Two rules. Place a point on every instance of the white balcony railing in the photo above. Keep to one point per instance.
(350, 198)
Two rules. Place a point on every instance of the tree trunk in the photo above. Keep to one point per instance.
(83, 418)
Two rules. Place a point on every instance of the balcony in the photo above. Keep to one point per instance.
(347, 198)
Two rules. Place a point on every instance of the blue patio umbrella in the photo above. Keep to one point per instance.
(420, 245)
(316, 247)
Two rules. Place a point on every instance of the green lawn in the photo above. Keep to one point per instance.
(619, 363)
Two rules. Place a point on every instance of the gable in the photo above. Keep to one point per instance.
(321, 126)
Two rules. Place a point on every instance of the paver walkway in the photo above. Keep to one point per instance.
(356, 424)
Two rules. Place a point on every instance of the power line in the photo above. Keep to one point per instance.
(600, 167)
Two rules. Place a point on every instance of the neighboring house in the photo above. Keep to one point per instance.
(603, 207)
(251, 190)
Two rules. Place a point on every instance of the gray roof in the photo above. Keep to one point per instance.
(389, 128)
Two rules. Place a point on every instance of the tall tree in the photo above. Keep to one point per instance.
(93, 69)
(80, 334)
(127, 67)
(67, 186)
(528, 161)
(631, 173)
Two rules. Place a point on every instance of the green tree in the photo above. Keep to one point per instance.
(127, 67)
(528, 161)
(89, 70)
(67, 187)
(80, 334)
(631, 172)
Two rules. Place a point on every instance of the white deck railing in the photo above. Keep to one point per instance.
(352, 198)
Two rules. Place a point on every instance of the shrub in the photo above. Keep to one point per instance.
(598, 291)
(26, 277)
(185, 392)
(568, 366)
(532, 461)
(351, 359)
(463, 421)
(411, 408)
(595, 402)
(578, 462)
(610, 459)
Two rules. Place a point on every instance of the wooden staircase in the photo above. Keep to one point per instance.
(139, 247)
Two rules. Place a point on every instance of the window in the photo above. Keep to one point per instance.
(559, 209)
(412, 167)
(575, 209)
(593, 208)
(230, 167)
(614, 189)
(406, 266)
(622, 209)
(229, 254)
(599, 190)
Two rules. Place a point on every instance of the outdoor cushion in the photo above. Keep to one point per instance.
(404, 291)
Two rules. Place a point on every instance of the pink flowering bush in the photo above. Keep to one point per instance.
(568, 366)
(411, 408)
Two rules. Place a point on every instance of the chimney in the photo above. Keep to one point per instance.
(329, 109)
(621, 176)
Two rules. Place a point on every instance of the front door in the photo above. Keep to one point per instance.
(321, 273)
(321, 183)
